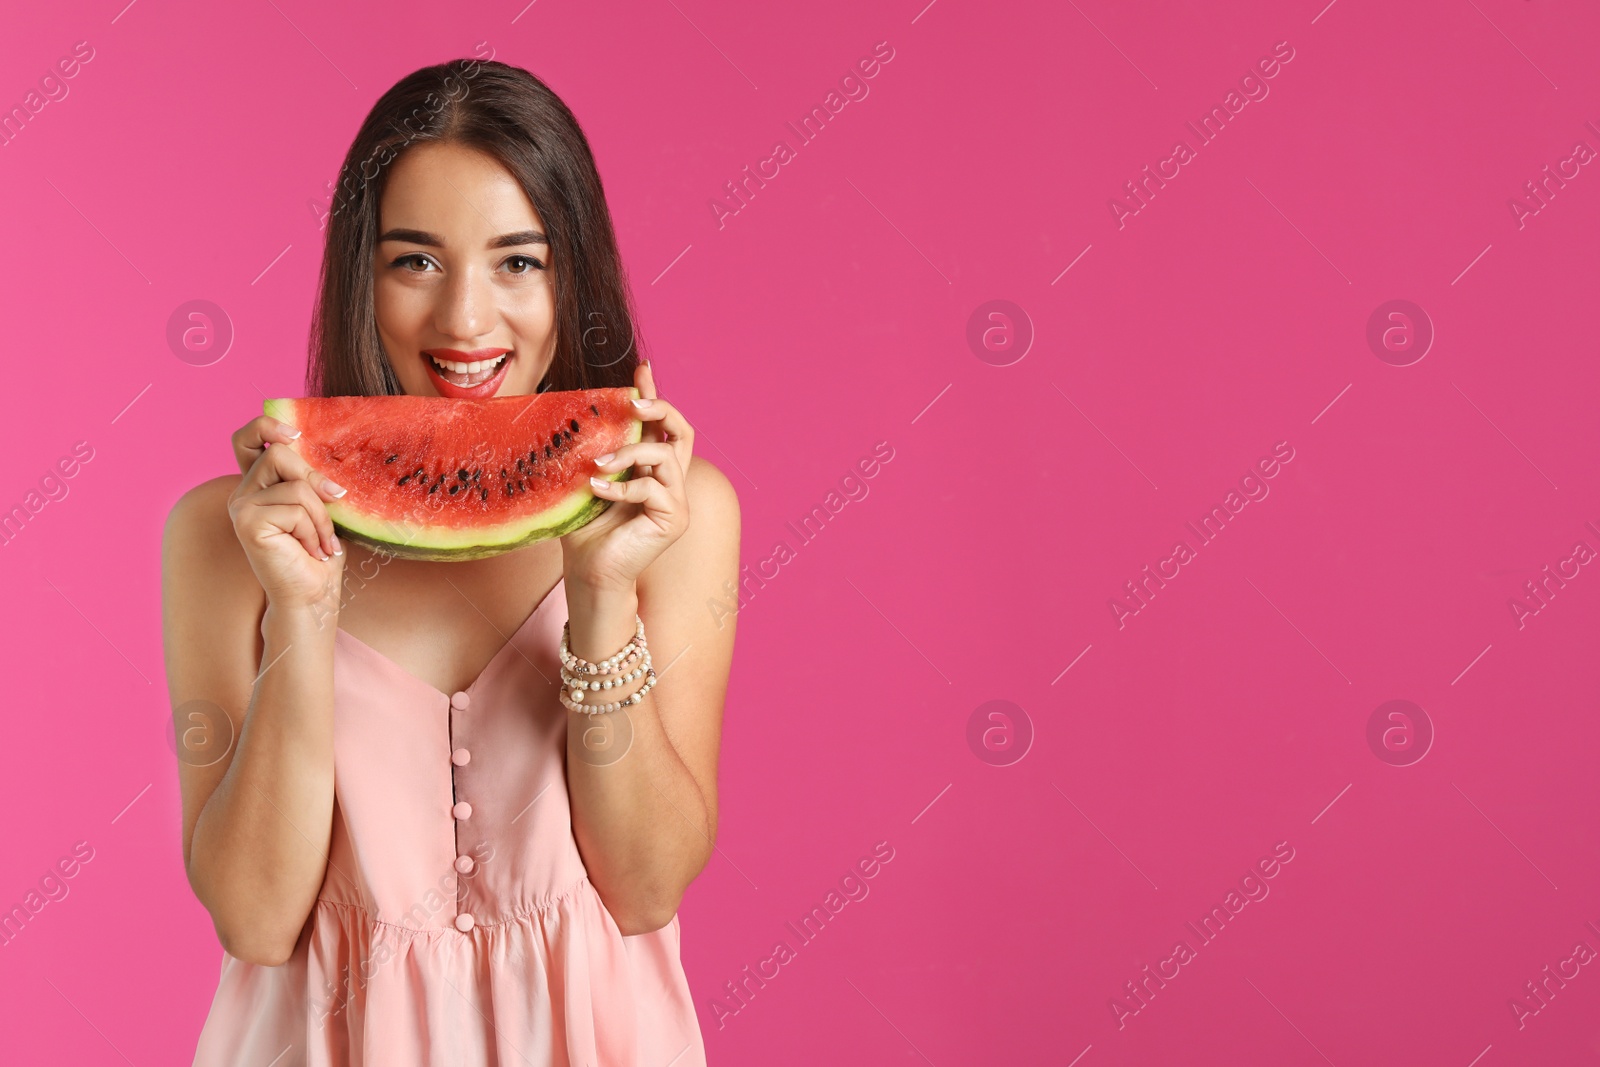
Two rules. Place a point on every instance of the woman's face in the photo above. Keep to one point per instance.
(462, 275)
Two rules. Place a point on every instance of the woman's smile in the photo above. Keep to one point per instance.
(467, 375)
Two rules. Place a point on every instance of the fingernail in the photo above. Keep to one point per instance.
(333, 487)
(291, 432)
(338, 549)
(607, 458)
(643, 402)
(599, 483)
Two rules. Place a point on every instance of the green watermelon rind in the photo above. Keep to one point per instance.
(490, 542)
(445, 544)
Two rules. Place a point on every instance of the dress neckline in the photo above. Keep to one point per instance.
(510, 645)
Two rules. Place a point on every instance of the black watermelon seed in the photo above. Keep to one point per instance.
(418, 473)
(555, 439)
(484, 492)
(404, 478)
(454, 489)
(391, 459)
(434, 488)
(574, 425)
(522, 485)
(594, 409)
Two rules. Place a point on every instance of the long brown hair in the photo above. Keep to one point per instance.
(511, 115)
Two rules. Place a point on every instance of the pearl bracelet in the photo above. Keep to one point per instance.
(631, 654)
(629, 651)
(601, 709)
(578, 685)
(606, 674)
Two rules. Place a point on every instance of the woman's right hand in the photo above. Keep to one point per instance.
(280, 518)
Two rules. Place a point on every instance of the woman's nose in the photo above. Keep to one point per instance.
(465, 306)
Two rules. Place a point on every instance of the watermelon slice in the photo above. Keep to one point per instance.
(436, 478)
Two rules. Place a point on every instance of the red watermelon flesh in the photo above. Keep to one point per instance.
(437, 478)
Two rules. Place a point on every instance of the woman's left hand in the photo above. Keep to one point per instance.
(649, 511)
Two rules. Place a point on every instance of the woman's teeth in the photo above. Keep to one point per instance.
(467, 373)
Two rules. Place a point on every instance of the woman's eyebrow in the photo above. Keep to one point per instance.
(521, 237)
(505, 240)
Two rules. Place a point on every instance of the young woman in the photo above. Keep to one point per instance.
(414, 846)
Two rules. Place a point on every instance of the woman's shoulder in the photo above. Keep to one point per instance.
(708, 489)
(199, 540)
(713, 511)
(201, 514)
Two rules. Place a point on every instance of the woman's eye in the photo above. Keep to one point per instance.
(413, 258)
(527, 264)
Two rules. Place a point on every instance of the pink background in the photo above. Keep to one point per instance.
(831, 313)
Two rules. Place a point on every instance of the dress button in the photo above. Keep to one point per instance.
(462, 810)
(464, 864)
(460, 700)
(460, 757)
(465, 921)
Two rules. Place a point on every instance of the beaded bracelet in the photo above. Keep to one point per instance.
(629, 651)
(611, 672)
(578, 685)
(633, 653)
(600, 709)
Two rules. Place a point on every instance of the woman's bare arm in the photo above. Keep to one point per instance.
(643, 779)
(251, 683)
